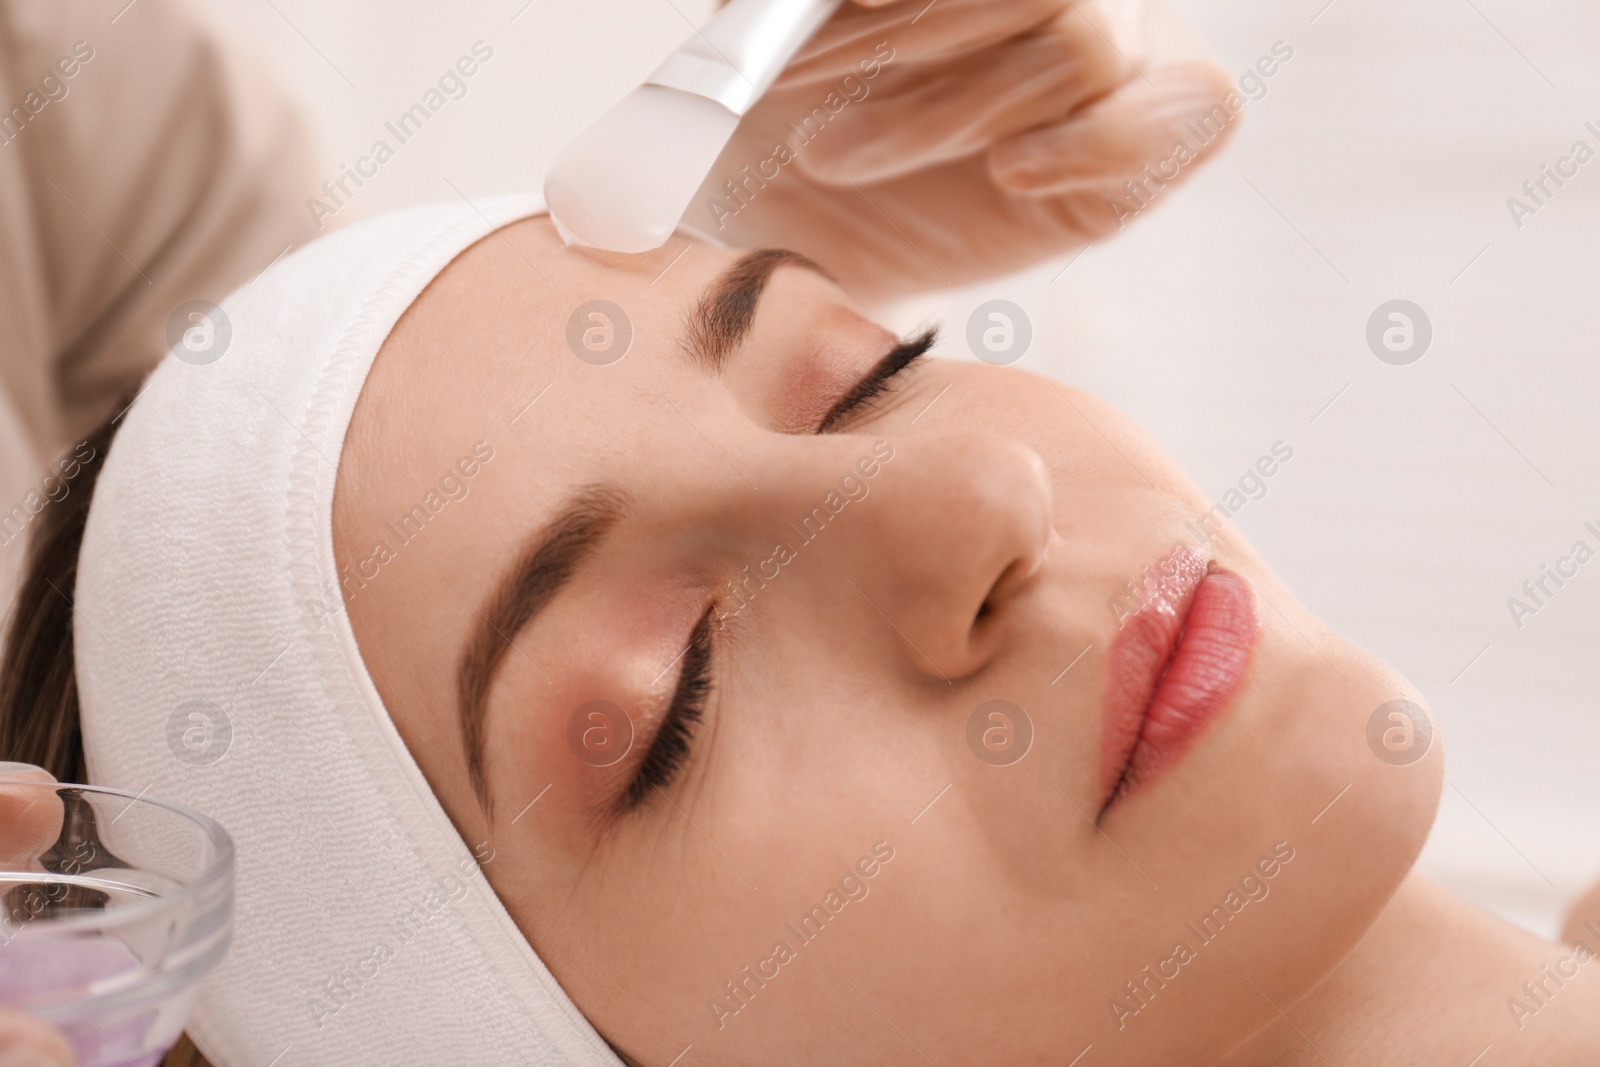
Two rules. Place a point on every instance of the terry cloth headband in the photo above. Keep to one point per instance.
(217, 668)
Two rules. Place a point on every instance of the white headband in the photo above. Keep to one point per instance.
(217, 668)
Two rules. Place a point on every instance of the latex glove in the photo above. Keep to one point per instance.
(27, 827)
(1583, 921)
(933, 144)
(24, 830)
(25, 1042)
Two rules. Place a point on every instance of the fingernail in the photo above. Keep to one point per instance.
(7, 769)
(1049, 158)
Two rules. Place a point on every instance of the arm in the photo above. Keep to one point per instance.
(143, 163)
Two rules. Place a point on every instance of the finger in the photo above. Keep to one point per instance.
(913, 31)
(1150, 130)
(1583, 921)
(26, 772)
(30, 817)
(959, 109)
(26, 1042)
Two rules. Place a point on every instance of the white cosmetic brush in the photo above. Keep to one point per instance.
(627, 180)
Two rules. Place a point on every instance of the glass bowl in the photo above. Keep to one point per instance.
(113, 906)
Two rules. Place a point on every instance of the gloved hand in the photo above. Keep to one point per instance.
(913, 145)
(27, 827)
(1583, 921)
(24, 829)
(27, 1043)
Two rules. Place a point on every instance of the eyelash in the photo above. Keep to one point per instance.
(670, 749)
(876, 383)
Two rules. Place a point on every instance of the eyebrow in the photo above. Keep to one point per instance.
(720, 321)
(727, 309)
(546, 564)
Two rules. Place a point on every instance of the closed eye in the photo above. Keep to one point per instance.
(671, 748)
(877, 380)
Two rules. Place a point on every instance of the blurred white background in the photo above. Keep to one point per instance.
(1233, 315)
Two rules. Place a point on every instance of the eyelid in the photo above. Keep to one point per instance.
(872, 385)
(671, 746)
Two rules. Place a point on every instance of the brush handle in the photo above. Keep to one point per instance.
(735, 57)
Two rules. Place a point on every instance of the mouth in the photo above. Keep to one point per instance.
(1175, 663)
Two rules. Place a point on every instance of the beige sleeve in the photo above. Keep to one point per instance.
(145, 161)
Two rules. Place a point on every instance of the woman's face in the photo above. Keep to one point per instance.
(702, 686)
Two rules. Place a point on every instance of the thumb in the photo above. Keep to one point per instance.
(25, 1042)
(26, 772)
(30, 817)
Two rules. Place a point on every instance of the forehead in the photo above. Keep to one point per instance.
(546, 345)
(519, 340)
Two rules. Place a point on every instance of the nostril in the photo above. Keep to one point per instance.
(1015, 575)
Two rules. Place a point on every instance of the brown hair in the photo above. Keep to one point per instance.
(38, 684)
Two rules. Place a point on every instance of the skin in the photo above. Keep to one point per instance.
(978, 566)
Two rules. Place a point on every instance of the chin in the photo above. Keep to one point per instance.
(1288, 768)
(1357, 822)
(1382, 821)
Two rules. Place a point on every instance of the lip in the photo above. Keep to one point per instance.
(1174, 665)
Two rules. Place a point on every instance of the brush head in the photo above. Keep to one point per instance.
(627, 180)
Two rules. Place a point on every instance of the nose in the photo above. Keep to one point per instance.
(960, 525)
